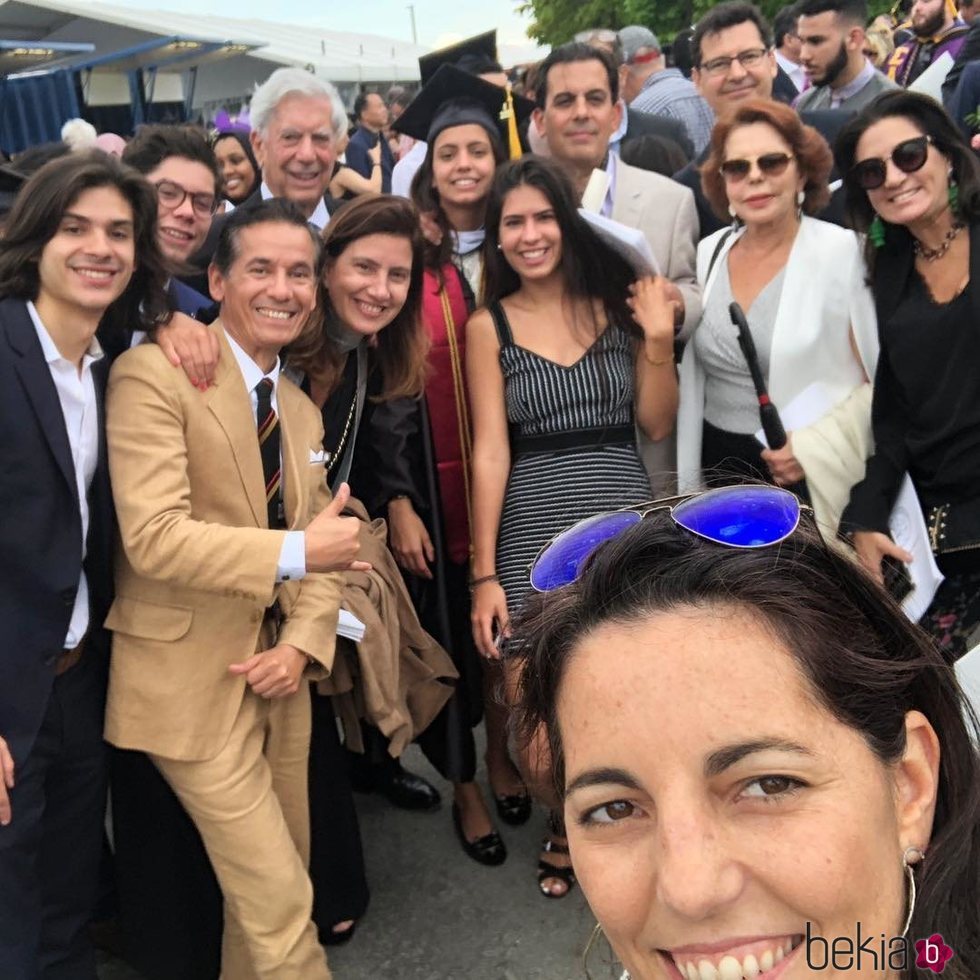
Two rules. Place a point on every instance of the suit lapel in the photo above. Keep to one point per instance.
(231, 406)
(627, 198)
(39, 388)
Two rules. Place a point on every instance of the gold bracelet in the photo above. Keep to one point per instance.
(661, 363)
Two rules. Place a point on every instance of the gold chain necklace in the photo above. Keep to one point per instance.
(934, 254)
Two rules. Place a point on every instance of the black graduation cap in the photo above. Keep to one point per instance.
(454, 98)
(472, 52)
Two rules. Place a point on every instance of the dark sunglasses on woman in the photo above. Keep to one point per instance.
(908, 156)
(769, 164)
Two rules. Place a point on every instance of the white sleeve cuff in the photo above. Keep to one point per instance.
(292, 557)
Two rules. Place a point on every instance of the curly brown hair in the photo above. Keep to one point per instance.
(813, 156)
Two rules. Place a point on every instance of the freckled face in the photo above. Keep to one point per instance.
(714, 807)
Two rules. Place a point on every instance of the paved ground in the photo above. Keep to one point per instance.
(437, 915)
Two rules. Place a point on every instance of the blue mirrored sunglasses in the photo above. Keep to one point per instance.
(753, 516)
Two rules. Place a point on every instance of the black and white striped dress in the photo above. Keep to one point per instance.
(548, 491)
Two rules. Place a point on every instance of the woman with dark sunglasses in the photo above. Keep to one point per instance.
(800, 283)
(761, 762)
(913, 186)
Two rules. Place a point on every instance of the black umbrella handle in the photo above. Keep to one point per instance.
(772, 425)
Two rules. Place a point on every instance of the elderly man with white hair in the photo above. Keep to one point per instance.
(297, 119)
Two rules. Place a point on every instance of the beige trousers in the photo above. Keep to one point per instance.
(250, 805)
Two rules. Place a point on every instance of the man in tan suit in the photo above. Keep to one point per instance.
(221, 606)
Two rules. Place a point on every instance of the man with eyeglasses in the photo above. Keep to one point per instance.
(832, 53)
(181, 166)
(733, 62)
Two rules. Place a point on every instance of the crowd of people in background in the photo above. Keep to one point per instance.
(300, 407)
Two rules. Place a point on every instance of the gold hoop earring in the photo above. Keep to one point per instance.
(910, 857)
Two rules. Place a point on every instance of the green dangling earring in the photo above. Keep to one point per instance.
(954, 195)
(876, 232)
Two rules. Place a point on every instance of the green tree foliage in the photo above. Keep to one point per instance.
(557, 21)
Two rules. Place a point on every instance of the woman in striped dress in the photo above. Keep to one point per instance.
(569, 355)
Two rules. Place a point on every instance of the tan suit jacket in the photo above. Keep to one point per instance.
(666, 214)
(197, 567)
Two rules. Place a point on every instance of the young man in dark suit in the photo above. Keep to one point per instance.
(68, 265)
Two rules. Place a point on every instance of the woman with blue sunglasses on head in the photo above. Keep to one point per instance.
(800, 284)
(765, 769)
(913, 186)
(569, 356)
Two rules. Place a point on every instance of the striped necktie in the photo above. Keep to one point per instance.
(268, 429)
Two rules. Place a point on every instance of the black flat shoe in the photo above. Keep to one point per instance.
(514, 810)
(488, 850)
(400, 787)
(408, 791)
(331, 938)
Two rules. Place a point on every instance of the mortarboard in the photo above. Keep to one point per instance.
(454, 98)
(482, 47)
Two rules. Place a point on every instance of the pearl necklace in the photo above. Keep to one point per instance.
(934, 254)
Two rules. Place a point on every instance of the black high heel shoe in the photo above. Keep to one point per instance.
(488, 850)
(514, 810)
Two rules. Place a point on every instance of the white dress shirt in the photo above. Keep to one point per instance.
(404, 170)
(79, 406)
(292, 557)
(795, 71)
(320, 217)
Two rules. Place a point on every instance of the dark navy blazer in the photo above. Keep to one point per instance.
(41, 528)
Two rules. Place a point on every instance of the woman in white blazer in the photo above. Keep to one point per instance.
(801, 283)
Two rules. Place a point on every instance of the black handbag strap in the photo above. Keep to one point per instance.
(714, 255)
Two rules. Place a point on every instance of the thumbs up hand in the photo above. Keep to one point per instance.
(332, 541)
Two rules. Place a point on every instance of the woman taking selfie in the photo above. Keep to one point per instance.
(568, 357)
(913, 185)
(820, 789)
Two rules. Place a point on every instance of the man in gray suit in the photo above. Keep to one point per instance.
(577, 113)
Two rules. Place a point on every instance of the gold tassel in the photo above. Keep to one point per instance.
(513, 137)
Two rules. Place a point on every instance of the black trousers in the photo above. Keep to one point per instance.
(50, 851)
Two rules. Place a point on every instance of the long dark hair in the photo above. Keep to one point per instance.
(426, 199)
(402, 347)
(929, 117)
(36, 216)
(864, 661)
(243, 141)
(590, 269)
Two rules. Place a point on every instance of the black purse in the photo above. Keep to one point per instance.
(954, 527)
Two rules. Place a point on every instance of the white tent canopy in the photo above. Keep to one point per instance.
(338, 56)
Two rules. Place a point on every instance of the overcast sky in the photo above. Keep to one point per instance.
(438, 22)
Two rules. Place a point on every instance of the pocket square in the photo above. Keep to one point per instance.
(317, 456)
